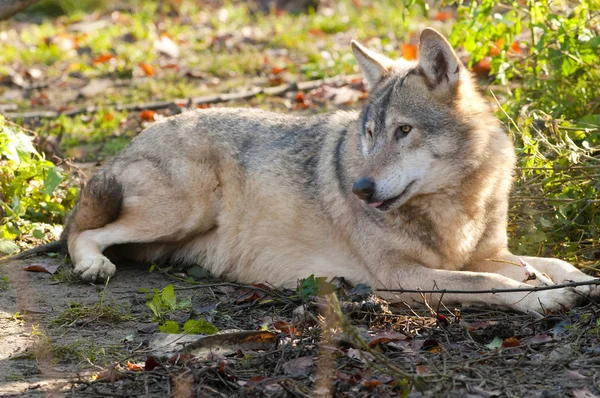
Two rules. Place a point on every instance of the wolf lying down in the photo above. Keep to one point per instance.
(411, 192)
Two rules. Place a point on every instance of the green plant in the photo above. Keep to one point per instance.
(312, 286)
(544, 62)
(165, 301)
(35, 194)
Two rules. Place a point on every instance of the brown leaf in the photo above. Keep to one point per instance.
(409, 52)
(226, 343)
(371, 384)
(42, 267)
(515, 47)
(511, 342)
(277, 70)
(539, 339)
(134, 366)
(248, 295)
(147, 69)
(151, 363)
(254, 381)
(386, 337)
(285, 327)
(147, 115)
(443, 16)
(103, 58)
(299, 366)
(300, 97)
(496, 47)
(482, 67)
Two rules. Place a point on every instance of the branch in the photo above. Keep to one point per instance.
(493, 291)
(190, 102)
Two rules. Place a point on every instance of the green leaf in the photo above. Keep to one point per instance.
(168, 297)
(155, 306)
(184, 303)
(199, 272)
(199, 326)
(312, 286)
(496, 343)
(53, 178)
(8, 247)
(169, 327)
(38, 234)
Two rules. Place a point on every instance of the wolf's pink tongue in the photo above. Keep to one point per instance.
(375, 204)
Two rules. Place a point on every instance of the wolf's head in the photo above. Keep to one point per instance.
(424, 126)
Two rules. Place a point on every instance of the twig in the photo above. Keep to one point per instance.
(493, 291)
(190, 102)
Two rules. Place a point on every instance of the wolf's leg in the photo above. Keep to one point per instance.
(559, 271)
(164, 217)
(420, 277)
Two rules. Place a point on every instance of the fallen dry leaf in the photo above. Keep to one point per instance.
(496, 47)
(443, 16)
(371, 384)
(146, 68)
(515, 47)
(247, 295)
(409, 52)
(103, 58)
(299, 366)
(285, 327)
(147, 115)
(573, 375)
(482, 67)
(385, 337)
(511, 342)
(152, 362)
(362, 356)
(42, 267)
(134, 366)
(583, 393)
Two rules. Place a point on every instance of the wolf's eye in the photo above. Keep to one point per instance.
(369, 137)
(403, 131)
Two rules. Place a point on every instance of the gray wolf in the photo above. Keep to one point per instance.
(411, 192)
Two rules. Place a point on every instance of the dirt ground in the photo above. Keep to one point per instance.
(61, 337)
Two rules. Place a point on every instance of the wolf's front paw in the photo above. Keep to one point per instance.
(550, 301)
(91, 269)
(591, 291)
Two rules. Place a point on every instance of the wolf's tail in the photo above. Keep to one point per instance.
(100, 203)
(52, 247)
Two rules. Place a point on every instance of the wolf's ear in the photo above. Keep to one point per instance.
(374, 66)
(437, 59)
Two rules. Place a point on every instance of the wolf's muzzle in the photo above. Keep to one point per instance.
(364, 188)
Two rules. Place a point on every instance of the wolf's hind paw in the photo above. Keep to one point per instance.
(91, 269)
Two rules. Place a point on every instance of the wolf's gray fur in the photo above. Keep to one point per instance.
(411, 192)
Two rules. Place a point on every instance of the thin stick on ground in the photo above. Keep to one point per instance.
(190, 102)
(493, 291)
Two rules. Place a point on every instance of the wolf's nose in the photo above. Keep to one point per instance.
(364, 188)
